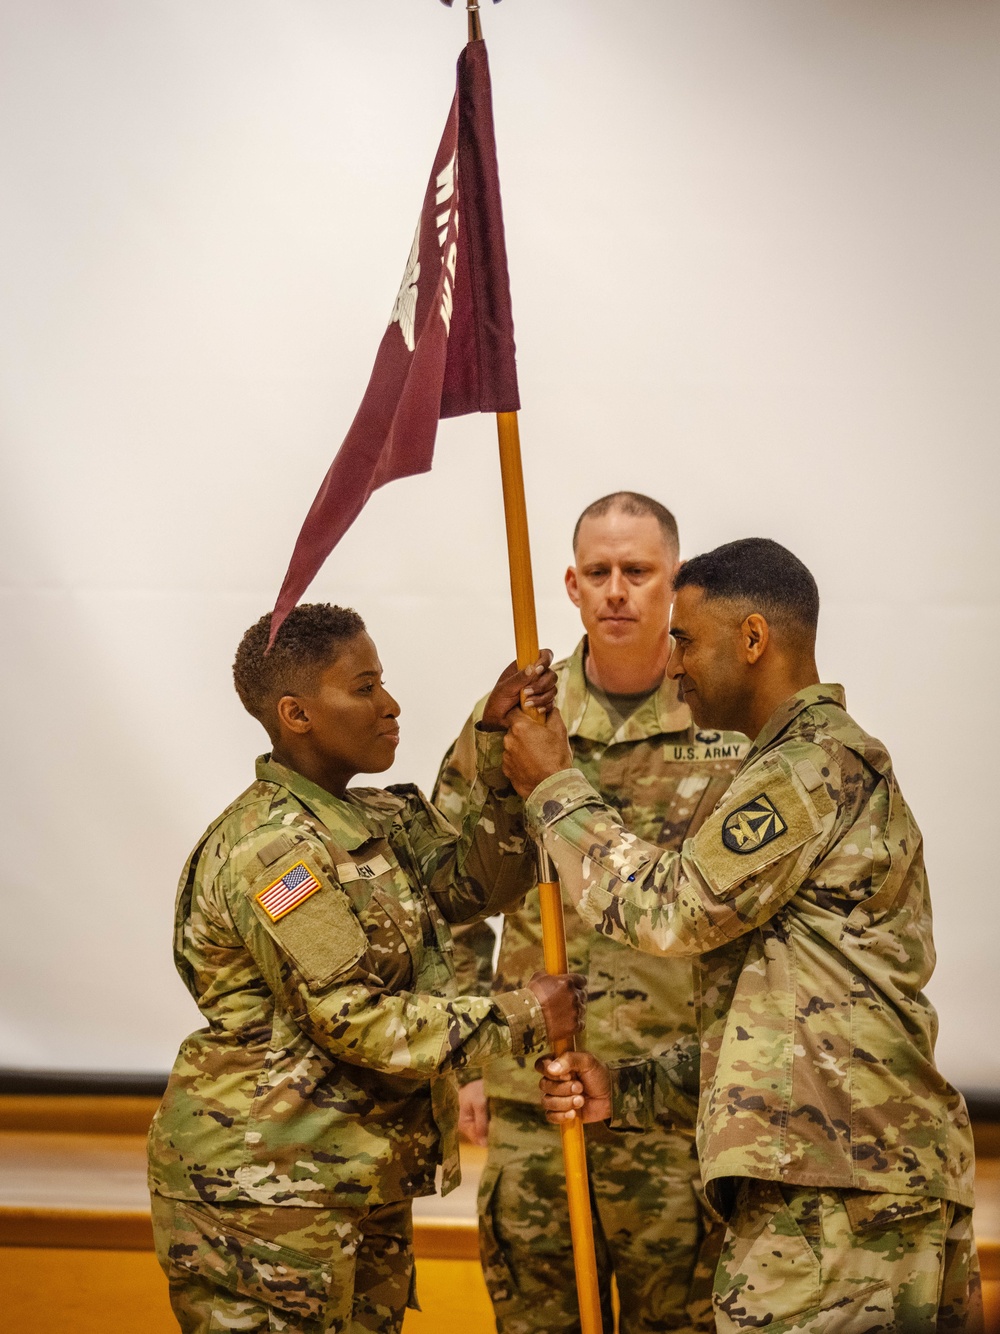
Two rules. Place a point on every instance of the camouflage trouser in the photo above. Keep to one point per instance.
(800, 1260)
(647, 1226)
(294, 1270)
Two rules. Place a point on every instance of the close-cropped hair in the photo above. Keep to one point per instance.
(761, 574)
(311, 637)
(636, 504)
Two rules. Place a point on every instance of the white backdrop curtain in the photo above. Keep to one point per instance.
(755, 273)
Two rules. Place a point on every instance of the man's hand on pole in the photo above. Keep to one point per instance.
(535, 686)
(574, 1085)
(534, 752)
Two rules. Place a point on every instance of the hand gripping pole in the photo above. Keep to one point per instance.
(553, 924)
(522, 596)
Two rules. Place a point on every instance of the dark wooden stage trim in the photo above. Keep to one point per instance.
(77, 1229)
(81, 1114)
(130, 1230)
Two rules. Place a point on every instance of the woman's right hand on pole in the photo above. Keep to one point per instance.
(563, 998)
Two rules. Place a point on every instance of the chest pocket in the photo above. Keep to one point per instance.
(391, 914)
(664, 790)
(438, 956)
(693, 801)
(408, 941)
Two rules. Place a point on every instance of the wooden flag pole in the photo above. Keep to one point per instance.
(522, 595)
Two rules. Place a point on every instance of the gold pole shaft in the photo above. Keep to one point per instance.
(522, 597)
(475, 27)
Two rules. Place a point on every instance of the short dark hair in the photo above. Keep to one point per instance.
(310, 638)
(632, 502)
(758, 571)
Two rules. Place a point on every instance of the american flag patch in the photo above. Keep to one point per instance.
(293, 888)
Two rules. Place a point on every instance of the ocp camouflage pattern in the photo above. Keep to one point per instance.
(325, 1074)
(269, 1269)
(814, 945)
(802, 1260)
(663, 776)
(647, 1227)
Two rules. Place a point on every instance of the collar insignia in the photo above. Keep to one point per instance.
(752, 825)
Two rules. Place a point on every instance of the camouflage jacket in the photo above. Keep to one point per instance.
(663, 777)
(805, 899)
(313, 934)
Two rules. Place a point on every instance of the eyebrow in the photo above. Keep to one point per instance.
(361, 675)
(600, 561)
(679, 632)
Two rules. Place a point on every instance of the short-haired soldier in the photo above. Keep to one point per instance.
(839, 1155)
(312, 931)
(635, 741)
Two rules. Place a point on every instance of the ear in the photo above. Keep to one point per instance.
(754, 636)
(293, 716)
(572, 586)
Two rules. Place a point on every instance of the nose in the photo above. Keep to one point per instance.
(675, 666)
(392, 709)
(617, 588)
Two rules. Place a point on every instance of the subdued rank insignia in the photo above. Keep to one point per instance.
(752, 825)
(294, 887)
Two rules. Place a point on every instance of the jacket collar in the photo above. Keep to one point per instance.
(788, 710)
(343, 819)
(586, 717)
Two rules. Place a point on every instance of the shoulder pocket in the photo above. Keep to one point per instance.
(770, 816)
(309, 917)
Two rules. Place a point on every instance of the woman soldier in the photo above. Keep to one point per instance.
(312, 930)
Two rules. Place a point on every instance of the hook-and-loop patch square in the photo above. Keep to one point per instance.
(286, 893)
(752, 825)
(750, 833)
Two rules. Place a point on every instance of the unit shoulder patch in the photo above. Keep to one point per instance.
(752, 825)
(748, 833)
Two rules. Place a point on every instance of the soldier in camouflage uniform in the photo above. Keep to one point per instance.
(663, 775)
(312, 931)
(840, 1156)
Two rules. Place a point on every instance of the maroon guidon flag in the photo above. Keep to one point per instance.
(449, 347)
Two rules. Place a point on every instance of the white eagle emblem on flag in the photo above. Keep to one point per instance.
(404, 311)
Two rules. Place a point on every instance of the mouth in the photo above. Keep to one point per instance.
(391, 734)
(617, 620)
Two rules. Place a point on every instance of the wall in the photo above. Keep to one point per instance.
(754, 263)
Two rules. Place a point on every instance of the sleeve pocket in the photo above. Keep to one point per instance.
(626, 857)
(769, 817)
(320, 934)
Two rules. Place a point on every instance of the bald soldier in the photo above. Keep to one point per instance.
(634, 740)
(840, 1157)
